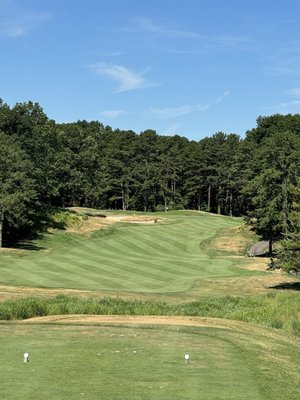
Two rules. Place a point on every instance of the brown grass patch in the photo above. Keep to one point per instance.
(218, 323)
(232, 240)
(136, 320)
(95, 223)
(236, 286)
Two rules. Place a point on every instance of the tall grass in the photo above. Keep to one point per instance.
(276, 310)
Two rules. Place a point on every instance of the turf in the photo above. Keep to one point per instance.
(157, 258)
(130, 362)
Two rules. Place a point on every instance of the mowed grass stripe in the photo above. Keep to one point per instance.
(133, 257)
(173, 266)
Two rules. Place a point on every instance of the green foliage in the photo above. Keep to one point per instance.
(288, 256)
(280, 311)
(65, 218)
(17, 188)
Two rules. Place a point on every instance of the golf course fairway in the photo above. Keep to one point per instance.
(158, 257)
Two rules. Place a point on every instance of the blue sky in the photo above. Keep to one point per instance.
(186, 67)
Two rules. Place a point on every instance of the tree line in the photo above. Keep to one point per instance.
(47, 164)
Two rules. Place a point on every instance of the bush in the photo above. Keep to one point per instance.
(62, 219)
(277, 324)
(160, 208)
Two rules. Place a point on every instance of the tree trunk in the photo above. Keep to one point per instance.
(285, 207)
(1, 224)
(208, 197)
(219, 203)
(270, 247)
(230, 203)
(199, 200)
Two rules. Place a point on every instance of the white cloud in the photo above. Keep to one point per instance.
(288, 104)
(111, 114)
(293, 91)
(284, 107)
(20, 24)
(172, 130)
(220, 98)
(292, 106)
(186, 109)
(147, 25)
(171, 112)
(111, 53)
(127, 79)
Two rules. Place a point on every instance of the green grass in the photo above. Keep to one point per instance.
(130, 362)
(276, 310)
(163, 257)
(237, 360)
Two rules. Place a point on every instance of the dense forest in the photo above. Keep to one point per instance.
(44, 164)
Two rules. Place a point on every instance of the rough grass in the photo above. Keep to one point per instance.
(146, 362)
(277, 310)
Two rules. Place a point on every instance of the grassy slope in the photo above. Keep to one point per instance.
(166, 257)
(131, 362)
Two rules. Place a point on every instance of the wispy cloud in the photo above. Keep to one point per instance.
(147, 25)
(220, 98)
(111, 114)
(126, 78)
(293, 91)
(292, 106)
(111, 53)
(171, 130)
(284, 107)
(17, 23)
(185, 109)
(283, 71)
(185, 41)
(171, 112)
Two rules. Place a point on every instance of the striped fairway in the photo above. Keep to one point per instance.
(162, 257)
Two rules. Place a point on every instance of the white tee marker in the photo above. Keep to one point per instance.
(26, 357)
(187, 358)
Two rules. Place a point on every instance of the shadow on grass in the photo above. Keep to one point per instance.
(28, 246)
(287, 286)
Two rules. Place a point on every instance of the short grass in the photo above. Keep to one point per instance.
(146, 362)
(161, 267)
(150, 258)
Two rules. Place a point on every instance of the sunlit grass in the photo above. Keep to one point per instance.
(156, 258)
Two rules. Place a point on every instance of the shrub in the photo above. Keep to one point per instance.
(277, 324)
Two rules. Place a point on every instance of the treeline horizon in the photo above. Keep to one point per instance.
(48, 164)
